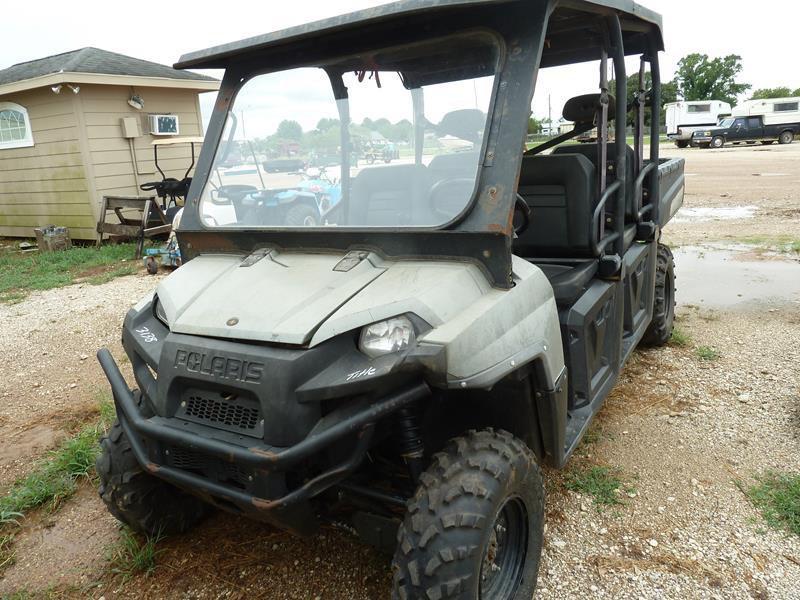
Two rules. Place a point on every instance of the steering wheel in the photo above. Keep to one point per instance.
(522, 207)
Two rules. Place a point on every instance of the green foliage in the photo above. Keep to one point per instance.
(133, 556)
(777, 495)
(679, 337)
(777, 92)
(289, 130)
(707, 353)
(22, 272)
(702, 78)
(55, 478)
(603, 484)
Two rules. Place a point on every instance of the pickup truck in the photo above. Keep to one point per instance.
(736, 130)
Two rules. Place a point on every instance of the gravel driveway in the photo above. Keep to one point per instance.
(680, 430)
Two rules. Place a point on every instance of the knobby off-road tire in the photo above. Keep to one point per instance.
(143, 502)
(480, 503)
(301, 215)
(660, 329)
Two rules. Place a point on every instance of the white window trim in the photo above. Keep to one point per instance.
(25, 142)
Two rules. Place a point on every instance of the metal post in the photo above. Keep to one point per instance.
(618, 54)
(655, 126)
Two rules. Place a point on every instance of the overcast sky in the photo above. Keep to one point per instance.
(162, 31)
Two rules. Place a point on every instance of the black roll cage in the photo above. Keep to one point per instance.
(531, 29)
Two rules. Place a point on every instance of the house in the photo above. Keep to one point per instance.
(77, 126)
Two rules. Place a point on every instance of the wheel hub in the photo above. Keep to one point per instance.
(504, 557)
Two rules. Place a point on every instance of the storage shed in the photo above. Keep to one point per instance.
(80, 125)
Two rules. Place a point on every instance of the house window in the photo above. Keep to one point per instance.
(785, 106)
(15, 127)
(699, 108)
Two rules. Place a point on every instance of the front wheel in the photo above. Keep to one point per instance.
(145, 503)
(474, 527)
(718, 142)
(302, 215)
(787, 137)
(660, 329)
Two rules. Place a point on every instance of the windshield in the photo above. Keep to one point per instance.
(726, 122)
(392, 138)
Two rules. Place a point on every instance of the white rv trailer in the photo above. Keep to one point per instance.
(774, 110)
(687, 116)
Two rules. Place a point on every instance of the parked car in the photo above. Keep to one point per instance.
(406, 367)
(284, 165)
(686, 117)
(765, 121)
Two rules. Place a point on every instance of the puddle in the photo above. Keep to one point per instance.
(725, 277)
(725, 213)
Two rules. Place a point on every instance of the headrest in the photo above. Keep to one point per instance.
(582, 109)
(465, 124)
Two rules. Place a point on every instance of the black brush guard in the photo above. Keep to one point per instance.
(261, 457)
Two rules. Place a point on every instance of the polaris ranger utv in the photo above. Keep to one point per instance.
(457, 319)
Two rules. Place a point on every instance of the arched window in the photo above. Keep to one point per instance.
(15, 127)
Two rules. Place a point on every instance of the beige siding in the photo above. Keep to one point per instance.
(105, 106)
(79, 155)
(45, 183)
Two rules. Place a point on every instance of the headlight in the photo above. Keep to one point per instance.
(160, 313)
(385, 337)
(707, 133)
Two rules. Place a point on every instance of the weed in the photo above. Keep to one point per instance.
(603, 484)
(6, 554)
(22, 272)
(779, 243)
(707, 353)
(55, 478)
(777, 495)
(679, 337)
(132, 556)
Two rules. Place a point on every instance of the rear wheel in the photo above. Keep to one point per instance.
(717, 142)
(474, 527)
(681, 143)
(152, 265)
(143, 502)
(660, 329)
(787, 137)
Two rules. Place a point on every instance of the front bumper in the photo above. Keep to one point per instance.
(265, 493)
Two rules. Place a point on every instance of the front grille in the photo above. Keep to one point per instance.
(222, 411)
(208, 466)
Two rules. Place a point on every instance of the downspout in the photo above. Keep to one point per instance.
(618, 52)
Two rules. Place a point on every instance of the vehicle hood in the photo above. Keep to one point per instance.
(305, 299)
(276, 298)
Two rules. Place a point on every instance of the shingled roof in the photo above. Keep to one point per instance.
(94, 61)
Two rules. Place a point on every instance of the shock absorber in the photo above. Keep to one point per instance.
(411, 447)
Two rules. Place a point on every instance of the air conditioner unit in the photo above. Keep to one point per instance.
(163, 124)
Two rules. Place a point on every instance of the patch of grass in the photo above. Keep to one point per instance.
(20, 273)
(55, 477)
(603, 484)
(779, 243)
(707, 353)
(679, 337)
(777, 495)
(6, 553)
(132, 555)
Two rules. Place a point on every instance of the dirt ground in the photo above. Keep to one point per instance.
(680, 430)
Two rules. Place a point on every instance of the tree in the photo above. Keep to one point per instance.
(289, 130)
(534, 126)
(702, 78)
(778, 92)
(325, 123)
